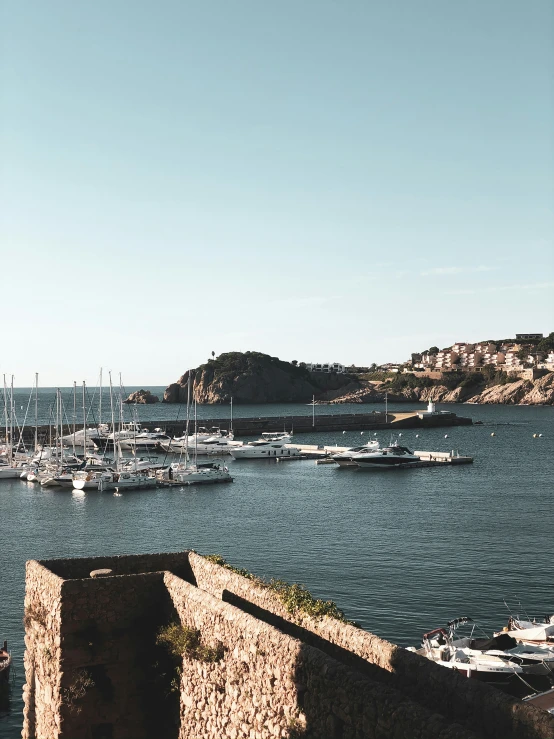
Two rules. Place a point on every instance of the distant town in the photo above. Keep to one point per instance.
(526, 351)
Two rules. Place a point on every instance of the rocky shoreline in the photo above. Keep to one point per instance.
(255, 378)
(520, 392)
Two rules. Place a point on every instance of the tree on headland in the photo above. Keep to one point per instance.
(546, 344)
(434, 350)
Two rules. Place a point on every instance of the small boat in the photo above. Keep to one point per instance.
(5, 663)
(209, 472)
(498, 660)
(270, 445)
(388, 457)
(533, 632)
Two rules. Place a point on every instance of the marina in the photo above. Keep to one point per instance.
(400, 552)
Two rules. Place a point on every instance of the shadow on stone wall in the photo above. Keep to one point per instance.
(344, 656)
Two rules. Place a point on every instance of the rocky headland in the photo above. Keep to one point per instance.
(252, 377)
(142, 396)
(507, 392)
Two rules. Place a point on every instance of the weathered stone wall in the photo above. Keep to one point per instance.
(94, 671)
(480, 707)
(269, 684)
(41, 692)
(108, 628)
(129, 564)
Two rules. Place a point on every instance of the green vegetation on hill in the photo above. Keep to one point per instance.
(240, 363)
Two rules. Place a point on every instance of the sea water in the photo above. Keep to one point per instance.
(401, 552)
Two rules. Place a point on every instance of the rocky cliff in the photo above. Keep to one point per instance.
(252, 377)
(519, 392)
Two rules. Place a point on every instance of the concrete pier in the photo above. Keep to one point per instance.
(373, 421)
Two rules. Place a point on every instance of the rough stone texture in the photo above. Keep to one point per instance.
(268, 683)
(482, 708)
(142, 396)
(276, 675)
(526, 391)
(42, 619)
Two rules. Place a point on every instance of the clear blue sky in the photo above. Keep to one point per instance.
(319, 180)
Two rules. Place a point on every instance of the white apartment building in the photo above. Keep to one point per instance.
(328, 367)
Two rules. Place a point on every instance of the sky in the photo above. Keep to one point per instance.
(323, 181)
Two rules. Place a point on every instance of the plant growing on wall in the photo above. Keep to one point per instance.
(180, 640)
(76, 691)
(296, 598)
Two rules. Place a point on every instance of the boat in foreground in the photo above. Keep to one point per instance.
(5, 663)
(500, 660)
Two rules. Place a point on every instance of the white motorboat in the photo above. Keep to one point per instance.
(92, 434)
(348, 458)
(145, 441)
(182, 443)
(388, 457)
(540, 633)
(497, 660)
(270, 446)
(216, 445)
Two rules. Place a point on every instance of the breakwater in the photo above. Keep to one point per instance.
(298, 424)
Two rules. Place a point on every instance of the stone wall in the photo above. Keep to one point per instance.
(41, 692)
(269, 684)
(94, 671)
(481, 708)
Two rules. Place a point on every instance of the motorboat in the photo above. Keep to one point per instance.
(182, 443)
(540, 633)
(92, 434)
(145, 441)
(496, 660)
(269, 446)
(348, 457)
(215, 445)
(386, 458)
(209, 472)
(5, 663)
(128, 430)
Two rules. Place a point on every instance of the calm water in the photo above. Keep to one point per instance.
(400, 552)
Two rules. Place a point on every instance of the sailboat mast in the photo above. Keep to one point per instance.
(84, 420)
(36, 411)
(195, 436)
(231, 429)
(113, 426)
(188, 422)
(74, 413)
(100, 405)
(57, 436)
(12, 414)
(6, 415)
